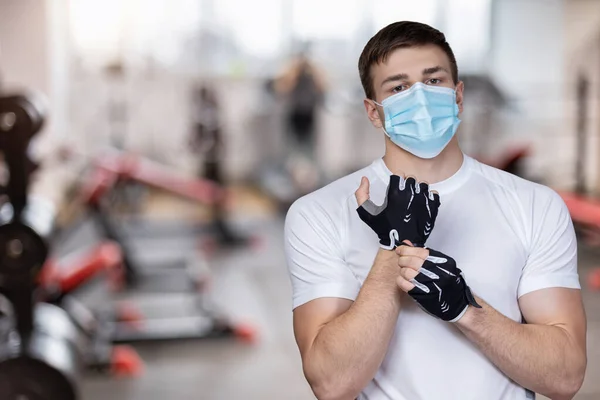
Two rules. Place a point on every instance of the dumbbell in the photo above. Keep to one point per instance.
(26, 111)
(40, 347)
(47, 369)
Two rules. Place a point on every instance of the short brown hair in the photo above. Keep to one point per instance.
(395, 36)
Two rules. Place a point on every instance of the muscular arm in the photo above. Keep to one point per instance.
(343, 343)
(548, 354)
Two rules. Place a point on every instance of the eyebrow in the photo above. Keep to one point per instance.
(433, 70)
(402, 77)
(395, 78)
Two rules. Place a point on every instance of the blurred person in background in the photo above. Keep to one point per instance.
(494, 312)
(302, 86)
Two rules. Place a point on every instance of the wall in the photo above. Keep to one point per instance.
(34, 55)
(24, 52)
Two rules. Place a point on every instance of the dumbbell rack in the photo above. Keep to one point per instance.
(42, 346)
(38, 342)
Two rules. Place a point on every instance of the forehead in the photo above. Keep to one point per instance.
(410, 61)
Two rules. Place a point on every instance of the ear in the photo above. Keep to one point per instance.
(460, 87)
(373, 113)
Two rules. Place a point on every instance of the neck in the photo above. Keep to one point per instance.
(443, 166)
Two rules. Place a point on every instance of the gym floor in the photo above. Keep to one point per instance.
(252, 286)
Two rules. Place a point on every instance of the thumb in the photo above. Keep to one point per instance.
(362, 193)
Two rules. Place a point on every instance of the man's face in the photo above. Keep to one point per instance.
(403, 68)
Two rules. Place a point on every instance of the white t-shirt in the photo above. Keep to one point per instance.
(509, 236)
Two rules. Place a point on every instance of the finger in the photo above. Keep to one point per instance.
(404, 243)
(411, 183)
(408, 273)
(424, 188)
(404, 285)
(437, 256)
(362, 193)
(394, 185)
(412, 262)
(420, 252)
(419, 287)
(435, 197)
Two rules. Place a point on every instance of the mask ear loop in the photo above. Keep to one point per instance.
(383, 124)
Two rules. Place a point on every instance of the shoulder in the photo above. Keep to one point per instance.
(533, 210)
(525, 191)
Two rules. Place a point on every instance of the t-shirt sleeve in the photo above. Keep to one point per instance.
(314, 254)
(552, 260)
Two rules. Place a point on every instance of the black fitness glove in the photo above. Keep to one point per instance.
(407, 213)
(440, 288)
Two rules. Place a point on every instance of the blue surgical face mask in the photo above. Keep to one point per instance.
(422, 120)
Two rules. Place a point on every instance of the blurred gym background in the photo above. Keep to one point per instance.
(177, 133)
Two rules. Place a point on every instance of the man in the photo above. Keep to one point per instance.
(303, 86)
(378, 319)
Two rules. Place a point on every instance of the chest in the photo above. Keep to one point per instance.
(484, 241)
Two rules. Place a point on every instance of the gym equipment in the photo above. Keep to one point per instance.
(177, 277)
(124, 174)
(39, 344)
(207, 141)
(134, 173)
(42, 346)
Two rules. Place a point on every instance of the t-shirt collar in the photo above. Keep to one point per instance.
(444, 187)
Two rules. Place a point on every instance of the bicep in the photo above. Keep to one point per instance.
(310, 317)
(561, 307)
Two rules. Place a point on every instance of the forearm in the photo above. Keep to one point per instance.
(348, 351)
(541, 358)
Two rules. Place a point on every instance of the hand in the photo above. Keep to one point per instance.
(408, 212)
(434, 281)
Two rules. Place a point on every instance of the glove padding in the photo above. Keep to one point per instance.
(440, 288)
(407, 213)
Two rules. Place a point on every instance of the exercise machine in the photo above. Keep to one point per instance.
(177, 276)
(208, 143)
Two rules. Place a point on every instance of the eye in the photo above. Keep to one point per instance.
(399, 88)
(434, 81)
